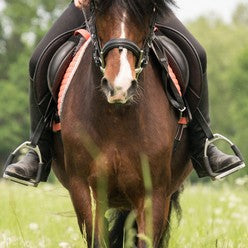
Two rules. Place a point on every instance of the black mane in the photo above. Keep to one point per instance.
(136, 8)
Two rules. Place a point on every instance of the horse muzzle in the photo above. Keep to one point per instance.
(118, 95)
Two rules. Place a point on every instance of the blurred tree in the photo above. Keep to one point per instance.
(240, 15)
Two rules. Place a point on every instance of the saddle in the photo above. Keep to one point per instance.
(169, 47)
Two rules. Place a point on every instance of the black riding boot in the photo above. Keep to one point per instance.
(27, 168)
(220, 163)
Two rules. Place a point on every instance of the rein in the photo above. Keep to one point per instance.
(141, 54)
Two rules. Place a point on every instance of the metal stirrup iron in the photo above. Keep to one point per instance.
(33, 182)
(221, 175)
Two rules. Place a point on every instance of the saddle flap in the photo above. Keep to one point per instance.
(194, 89)
(166, 48)
(59, 63)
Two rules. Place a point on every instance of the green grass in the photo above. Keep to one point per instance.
(214, 216)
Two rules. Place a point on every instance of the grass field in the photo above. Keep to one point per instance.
(214, 216)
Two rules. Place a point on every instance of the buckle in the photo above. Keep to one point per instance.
(221, 175)
(12, 157)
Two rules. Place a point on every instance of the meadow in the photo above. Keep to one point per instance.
(214, 216)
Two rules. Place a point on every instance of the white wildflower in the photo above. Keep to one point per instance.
(234, 198)
(75, 236)
(64, 245)
(33, 226)
(191, 210)
(217, 211)
(222, 199)
(219, 221)
(70, 229)
(48, 187)
(236, 215)
(241, 181)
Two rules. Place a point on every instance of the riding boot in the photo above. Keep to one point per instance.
(219, 162)
(27, 168)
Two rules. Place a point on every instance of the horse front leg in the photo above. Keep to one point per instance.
(141, 224)
(153, 221)
(82, 202)
(161, 217)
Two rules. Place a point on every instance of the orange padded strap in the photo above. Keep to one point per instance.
(174, 79)
(83, 33)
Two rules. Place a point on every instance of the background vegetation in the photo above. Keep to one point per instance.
(217, 217)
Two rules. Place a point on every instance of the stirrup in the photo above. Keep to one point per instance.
(219, 176)
(12, 156)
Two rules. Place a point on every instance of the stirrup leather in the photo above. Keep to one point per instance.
(219, 176)
(12, 156)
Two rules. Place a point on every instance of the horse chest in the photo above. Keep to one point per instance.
(122, 167)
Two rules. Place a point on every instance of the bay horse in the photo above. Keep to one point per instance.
(114, 115)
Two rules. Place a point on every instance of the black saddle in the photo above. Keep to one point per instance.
(168, 52)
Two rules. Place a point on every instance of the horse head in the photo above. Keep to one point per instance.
(122, 33)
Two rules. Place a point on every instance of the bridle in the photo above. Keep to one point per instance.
(100, 53)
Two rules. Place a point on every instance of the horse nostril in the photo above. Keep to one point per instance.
(134, 84)
(104, 82)
(106, 86)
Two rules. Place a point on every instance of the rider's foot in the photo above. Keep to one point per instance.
(26, 169)
(221, 164)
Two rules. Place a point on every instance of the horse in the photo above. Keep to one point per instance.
(115, 118)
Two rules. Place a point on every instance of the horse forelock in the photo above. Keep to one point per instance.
(137, 9)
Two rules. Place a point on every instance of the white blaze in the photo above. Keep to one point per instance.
(124, 77)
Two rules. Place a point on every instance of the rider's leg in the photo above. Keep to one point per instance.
(27, 167)
(219, 161)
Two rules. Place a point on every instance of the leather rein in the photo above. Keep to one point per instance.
(141, 54)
